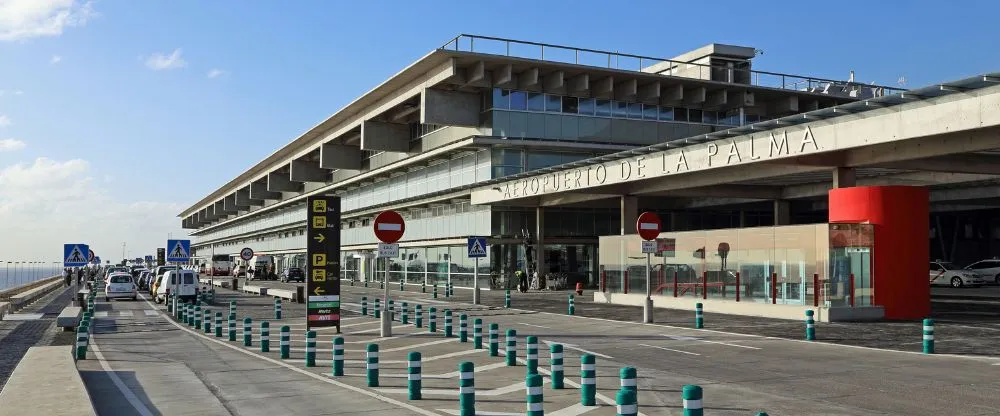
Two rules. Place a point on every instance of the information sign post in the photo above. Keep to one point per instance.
(648, 227)
(389, 227)
(477, 250)
(323, 262)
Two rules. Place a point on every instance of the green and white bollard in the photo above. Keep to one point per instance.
(401, 285)
(506, 299)
(626, 401)
(181, 313)
(494, 340)
(170, 303)
(232, 307)
(699, 318)
(423, 287)
(761, 414)
(477, 334)
(451, 289)
(447, 323)
(435, 293)
(207, 320)
(628, 379)
(404, 313)
(364, 305)
(310, 348)
(366, 283)
(810, 326)
(218, 324)
(189, 314)
(463, 328)
(413, 376)
(265, 336)
(531, 354)
(232, 327)
(392, 310)
(371, 364)
(511, 347)
(466, 389)
(247, 332)
(418, 320)
(432, 320)
(556, 365)
(447, 289)
(277, 308)
(338, 356)
(285, 342)
(928, 336)
(381, 284)
(82, 340)
(377, 308)
(571, 310)
(588, 380)
(692, 400)
(535, 402)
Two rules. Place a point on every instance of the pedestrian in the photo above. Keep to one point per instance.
(522, 281)
(69, 277)
(249, 273)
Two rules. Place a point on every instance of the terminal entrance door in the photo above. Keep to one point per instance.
(850, 265)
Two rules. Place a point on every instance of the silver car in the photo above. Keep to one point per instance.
(989, 270)
(944, 273)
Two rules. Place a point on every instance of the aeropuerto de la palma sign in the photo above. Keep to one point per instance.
(720, 153)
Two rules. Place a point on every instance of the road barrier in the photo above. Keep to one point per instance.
(691, 395)
(265, 336)
(466, 389)
(310, 348)
(699, 316)
(404, 316)
(477, 334)
(232, 327)
(277, 308)
(506, 299)
(810, 326)
(432, 320)
(82, 339)
(463, 328)
(418, 319)
(626, 401)
(371, 364)
(511, 347)
(447, 323)
(284, 342)
(628, 379)
(364, 305)
(571, 310)
(338, 356)
(535, 401)
(377, 308)
(413, 377)
(928, 336)
(588, 380)
(531, 354)
(218, 324)
(247, 332)
(494, 340)
(556, 365)
(207, 320)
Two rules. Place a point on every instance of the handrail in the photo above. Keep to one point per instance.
(782, 81)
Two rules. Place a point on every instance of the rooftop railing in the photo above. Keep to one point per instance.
(628, 62)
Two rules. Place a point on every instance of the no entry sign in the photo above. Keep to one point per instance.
(389, 226)
(648, 226)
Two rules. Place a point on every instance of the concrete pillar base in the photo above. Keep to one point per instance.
(386, 322)
(647, 311)
(475, 296)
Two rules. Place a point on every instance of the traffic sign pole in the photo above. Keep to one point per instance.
(389, 227)
(475, 283)
(648, 227)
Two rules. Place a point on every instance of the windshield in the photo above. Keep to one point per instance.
(121, 279)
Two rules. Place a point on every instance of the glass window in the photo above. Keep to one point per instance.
(603, 108)
(536, 101)
(501, 98)
(553, 103)
(570, 105)
(935, 267)
(710, 117)
(634, 110)
(518, 100)
(587, 106)
(751, 118)
(680, 114)
(666, 113)
(620, 109)
(694, 116)
(649, 112)
(543, 160)
(188, 278)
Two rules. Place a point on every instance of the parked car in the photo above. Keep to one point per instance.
(120, 285)
(988, 269)
(295, 274)
(183, 283)
(945, 273)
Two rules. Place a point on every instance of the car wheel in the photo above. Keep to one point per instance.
(135, 298)
(956, 282)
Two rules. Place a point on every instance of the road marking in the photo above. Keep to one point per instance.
(574, 347)
(151, 313)
(119, 384)
(478, 369)
(536, 326)
(499, 391)
(574, 410)
(730, 345)
(374, 330)
(101, 314)
(479, 412)
(669, 349)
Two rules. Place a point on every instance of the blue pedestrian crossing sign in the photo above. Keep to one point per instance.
(75, 255)
(178, 250)
(477, 247)
(149, 259)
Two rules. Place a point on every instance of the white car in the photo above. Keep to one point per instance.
(989, 270)
(944, 273)
(120, 285)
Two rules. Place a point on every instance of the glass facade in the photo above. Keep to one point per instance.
(415, 265)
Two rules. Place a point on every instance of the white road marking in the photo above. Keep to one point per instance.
(574, 347)
(101, 314)
(151, 313)
(129, 395)
(479, 412)
(574, 410)
(499, 391)
(366, 331)
(669, 349)
(536, 326)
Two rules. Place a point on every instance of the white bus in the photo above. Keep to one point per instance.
(222, 265)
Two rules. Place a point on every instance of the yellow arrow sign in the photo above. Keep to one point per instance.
(318, 291)
(320, 238)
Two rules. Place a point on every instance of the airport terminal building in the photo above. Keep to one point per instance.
(552, 151)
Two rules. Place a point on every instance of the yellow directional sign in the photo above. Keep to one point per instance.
(319, 275)
(319, 260)
(318, 291)
(319, 238)
(319, 222)
(319, 205)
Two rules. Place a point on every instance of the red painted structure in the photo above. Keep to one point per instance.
(899, 215)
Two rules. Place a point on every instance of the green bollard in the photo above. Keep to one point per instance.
(392, 310)
(404, 314)
(170, 303)
(377, 308)
(82, 340)
(401, 285)
(310, 348)
(928, 336)
(197, 317)
(699, 319)
(535, 402)
(338, 356)
(371, 364)
(232, 307)
(435, 293)
(447, 323)
(571, 310)
(277, 308)
(413, 375)
(432, 320)
(218, 324)
(366, 283)
(511, 347)
(247, 332)
(627, 406)
(810, 326)
(463, 328)
(477, 334)
(364, 305)
(506, 299)
(418, 320)
(466, 389)
(232, 327)
(423, 287)
(285, 342)
(207, 320)
(588, 380)
(628, 379)
(182, 313)
(494, 340)
(556, 365)
(692, 400)
(531, 354)
(265, 336)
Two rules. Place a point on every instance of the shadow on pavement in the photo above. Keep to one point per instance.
(112, 401)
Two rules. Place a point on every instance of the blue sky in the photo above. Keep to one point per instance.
(136, 144)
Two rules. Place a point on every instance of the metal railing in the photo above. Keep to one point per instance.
(623, 61)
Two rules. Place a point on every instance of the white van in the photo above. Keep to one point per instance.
(183, 283)
(261, 265)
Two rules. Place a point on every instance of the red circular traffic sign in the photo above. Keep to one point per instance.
(648, 225)
(389, 226)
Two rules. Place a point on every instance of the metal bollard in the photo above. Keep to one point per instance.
(82, 340)
(699, 320)
(364, 305)
(506, 299)
(218, 324)
(404, 316)
(692, 400)
(392, 310)
(310, 348)
(265, 336)
(466, 389)
(207, 320)
(928, 336)
(447, 323)
(247, 332)
(494, 340)
(588, 380)
(477, 334)
(232, 327)
(463, 328)
(810, 326)
(556, 365)
(626, 401)
(277, 308)
(435, 293)
(284, 342)
(511, 347)
(535, 401)
(432, 320)
(377, 308)
(531, 354)
(418, 319)
(628, 379)
(371, 364)
(413, 376)
(571, 310)
(338, 356)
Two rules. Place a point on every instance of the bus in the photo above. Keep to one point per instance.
(222, 265)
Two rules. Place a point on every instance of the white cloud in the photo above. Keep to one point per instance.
(4, 121)
(216, 72)
(47, 203)
(10, 145)
(55, 59)
(159, 61)
(25, 19)
(18, 92)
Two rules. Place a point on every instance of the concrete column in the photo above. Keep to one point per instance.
(540, 238)
(629, 214)
(671, 222)
(844, 177)
(782, 212)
